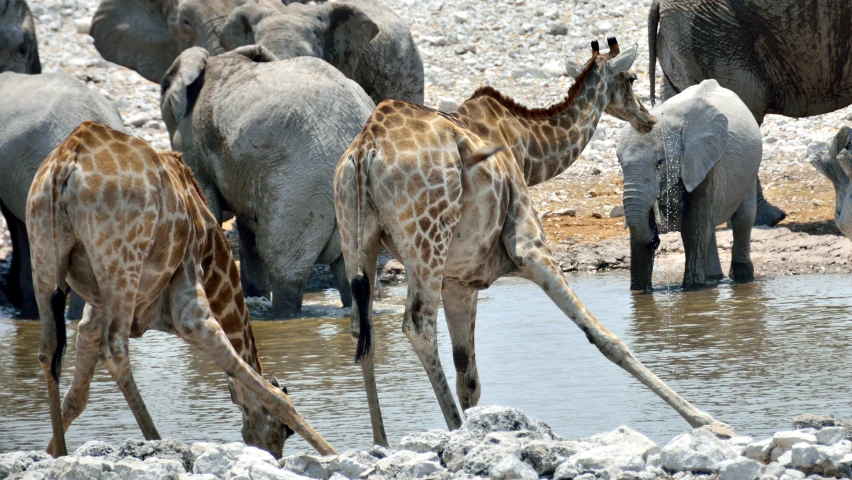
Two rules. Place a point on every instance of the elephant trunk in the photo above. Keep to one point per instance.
(643, 221)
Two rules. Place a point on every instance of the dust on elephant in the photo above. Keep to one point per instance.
(18, 45)
(786, 57)
(30, 129)
(390, 67)
(147, 35)
(695, 170)
(836, 164)
(263, 138)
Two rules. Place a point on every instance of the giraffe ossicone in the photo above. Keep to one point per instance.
(128, 229)
(407, 183)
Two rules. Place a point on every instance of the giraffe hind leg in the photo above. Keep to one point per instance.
(460, 312)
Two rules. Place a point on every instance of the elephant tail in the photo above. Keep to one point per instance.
(361, 283)
(62, 256)
(653, 21)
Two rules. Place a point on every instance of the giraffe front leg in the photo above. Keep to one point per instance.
(116, 358)
(524, 241)
(460, 312)
(89, 336)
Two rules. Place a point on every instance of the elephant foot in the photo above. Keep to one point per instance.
(286, 302)
(768, 214)
(715, 278)
(742, 271)
(75, 307)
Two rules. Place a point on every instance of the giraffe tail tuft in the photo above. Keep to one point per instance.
(361, 295)
(57, 305)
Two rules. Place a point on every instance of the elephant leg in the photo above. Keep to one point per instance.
(696, 233)
(767, 214)
(460, 312)
(75, 307)
(28, 307)
(252, 272)
(12, 288)
(287, 298)
(338, 270)
(742, 270)
(713, 267)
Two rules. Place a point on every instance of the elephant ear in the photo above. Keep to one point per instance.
(135, 34)
(255, 53)
(705, 139)
(241, 25)
(348, 31)
(181, 85)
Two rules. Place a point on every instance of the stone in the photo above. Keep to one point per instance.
(566, 471)
(430, 441)
(739, 469)
(265, 471)
(512, 468)
(94, 448)
(558, 28)
(564, 212)
(81, 25)
(553, 69)
(352, 464)
(168, 449)
(421, 466)
(231, 459)
(786, 459)
(309, 465)
(821, 459)
(829, 435)
(447, 104)
(758, 450)
(813, 421)
(79, 468)
(816, 146)
(617, 211)
(545, 456)
(137, 120)
(627, 438)
(392, 464)
(786, 440)
(134, 469)
(699, 451)
(379, 451)
(14, 462)
(460, 17)
(608, 457)
(773, 469)
(791, 474)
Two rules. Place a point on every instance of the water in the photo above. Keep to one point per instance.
(751, 355)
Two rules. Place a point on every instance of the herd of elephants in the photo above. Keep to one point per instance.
(306, 123)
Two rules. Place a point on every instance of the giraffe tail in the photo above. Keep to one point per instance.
(62, 258)
(361, 295)
(481, 154)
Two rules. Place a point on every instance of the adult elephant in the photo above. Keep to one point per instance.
(147, 35)
(37, 113)
(786, 57)
(390, 68)
(695, 170)
(18, 45)
(263, 138)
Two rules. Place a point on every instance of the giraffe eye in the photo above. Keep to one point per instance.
(632, 78)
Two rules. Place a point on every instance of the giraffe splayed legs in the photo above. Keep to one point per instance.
(128, 229)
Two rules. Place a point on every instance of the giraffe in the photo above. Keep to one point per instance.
(128, 229)
(458, 225)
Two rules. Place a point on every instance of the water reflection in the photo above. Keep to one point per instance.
(752, 355)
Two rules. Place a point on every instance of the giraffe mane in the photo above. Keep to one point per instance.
(538, 113)
(187, 172)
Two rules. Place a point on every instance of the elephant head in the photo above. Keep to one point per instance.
(18, 45)
(147, 35)
(336, 33)
(622, 103)
(182, 84)
(836, 165)
(690, 138)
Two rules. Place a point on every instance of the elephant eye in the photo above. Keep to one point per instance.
(23, 49)
(186, 22)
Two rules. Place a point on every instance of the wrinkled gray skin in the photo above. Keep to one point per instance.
(786, 57)
(836, 164)
(18, 45)
(30, 129)
(390, 67)
(147, 35)
(263, 138)
(699, 164)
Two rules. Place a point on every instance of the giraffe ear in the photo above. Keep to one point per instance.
(624, 60)
(573, 67)
(274, 382)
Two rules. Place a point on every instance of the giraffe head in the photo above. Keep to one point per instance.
(261, 428)
(617, 80)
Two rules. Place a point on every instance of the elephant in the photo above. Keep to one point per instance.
(836, 165)
(263, 138)
(30, 129)
(390, 68)
(18, 45)
(147, 35)
(786, 57)
(695, 170)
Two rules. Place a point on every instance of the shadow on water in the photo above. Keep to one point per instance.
(753, 355)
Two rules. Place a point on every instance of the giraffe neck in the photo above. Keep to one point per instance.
(553, 144)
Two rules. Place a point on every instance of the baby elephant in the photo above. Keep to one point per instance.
(836, 165)
(696, 169)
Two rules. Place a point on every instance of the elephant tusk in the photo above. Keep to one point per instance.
(657, 218)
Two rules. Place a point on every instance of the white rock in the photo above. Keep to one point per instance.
(786, 440)
(786, 459)
(608, 457)
(553, 69)
(309, 465)
(79, 468)
(829, 435)
(512, 468)
(460, 17)
(94, 448)
(429, 441)
(446, 104)
(546, 455)
(817, 146)
(774, 469)
(81, 25)
(653, 460)
(602, 28)
(15, 462)
(392, 464)
(759, 450)
(137, 120)
(352, 464)
(231, 460)
(791, 474)
(265, 471)
(739, 469)
(617, 211)
(699, 451)
(421, 465)
(565, 471)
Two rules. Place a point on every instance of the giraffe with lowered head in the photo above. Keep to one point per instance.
(128, 229)
(416, 181)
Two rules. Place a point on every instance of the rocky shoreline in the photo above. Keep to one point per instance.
(495, 442)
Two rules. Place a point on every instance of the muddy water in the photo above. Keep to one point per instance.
(752, 355)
